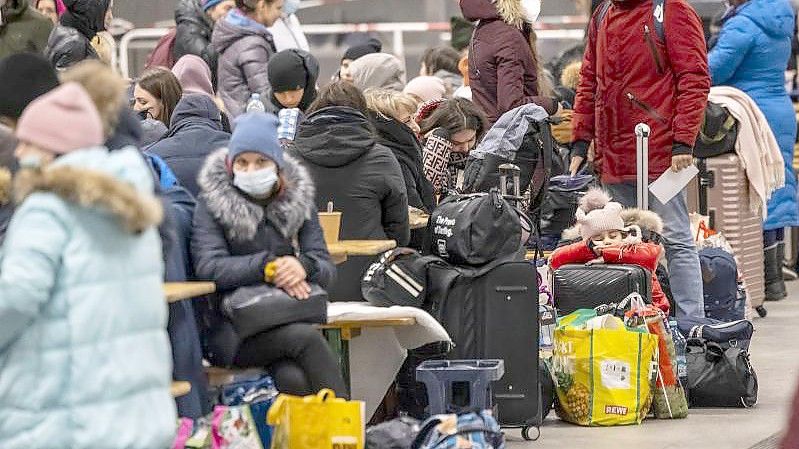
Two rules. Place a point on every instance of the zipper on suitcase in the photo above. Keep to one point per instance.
(652, 112)
(653, 50)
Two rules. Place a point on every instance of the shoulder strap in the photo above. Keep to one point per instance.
(659, 17)
(600, 16)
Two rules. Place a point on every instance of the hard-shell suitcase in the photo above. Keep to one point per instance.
(588, 286)
(493, 316)
(722, 193)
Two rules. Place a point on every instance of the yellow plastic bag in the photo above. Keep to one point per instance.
(604, 377)
(321, 421)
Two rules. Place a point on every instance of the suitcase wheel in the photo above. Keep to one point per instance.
(526, 433)
(761, 311)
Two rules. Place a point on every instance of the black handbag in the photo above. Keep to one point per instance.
(475, 229)
(720, 377)
(718, 133)
(260, 308)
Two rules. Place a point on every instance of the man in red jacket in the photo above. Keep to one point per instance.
(633, 74)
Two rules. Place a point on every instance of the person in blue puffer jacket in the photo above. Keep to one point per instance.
(752, 54)
(84, 353)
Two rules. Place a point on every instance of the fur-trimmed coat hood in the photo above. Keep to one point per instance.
(240, 216)
(84, 319)
(647, 220)
(96, 179)
(510, 11)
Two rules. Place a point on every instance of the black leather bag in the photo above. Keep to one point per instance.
(475, 229)
(257, 309)
(720, 377)
(718, 133)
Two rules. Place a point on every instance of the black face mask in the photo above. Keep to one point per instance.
(144, 115)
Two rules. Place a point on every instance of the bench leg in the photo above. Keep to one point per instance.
(340, 347)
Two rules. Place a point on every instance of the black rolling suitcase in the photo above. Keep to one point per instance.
(588, 286)
(494, 316)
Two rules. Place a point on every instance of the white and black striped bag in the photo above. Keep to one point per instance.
(399, 278)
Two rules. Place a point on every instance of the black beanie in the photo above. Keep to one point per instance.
(371, 46)
(24, 77)
(287, 71)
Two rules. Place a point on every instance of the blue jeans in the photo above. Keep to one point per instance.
(685, 275)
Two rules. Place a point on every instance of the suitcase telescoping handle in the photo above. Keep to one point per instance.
(642, 163)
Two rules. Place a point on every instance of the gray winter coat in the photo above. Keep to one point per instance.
(244, 47)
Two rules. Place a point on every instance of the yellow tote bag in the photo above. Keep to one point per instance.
(321, 421)
(604, 377)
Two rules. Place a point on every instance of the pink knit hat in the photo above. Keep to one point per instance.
(597, 214)
(426, 88)
(62, 120)
(194, 75)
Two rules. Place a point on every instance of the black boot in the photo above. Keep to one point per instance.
(775, 285)
(788, 274)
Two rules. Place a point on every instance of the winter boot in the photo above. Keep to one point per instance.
(775, 285)
(788, 274)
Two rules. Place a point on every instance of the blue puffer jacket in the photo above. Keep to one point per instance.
(752, 55)
(84, 353)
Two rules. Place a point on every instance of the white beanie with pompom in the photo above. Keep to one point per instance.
(597, 213)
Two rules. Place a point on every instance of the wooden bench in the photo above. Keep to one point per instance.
(179, 291)
(342, 249)
(180, 388)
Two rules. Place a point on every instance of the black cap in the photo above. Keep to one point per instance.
(24, 77)
(371, 46)
(287, 71)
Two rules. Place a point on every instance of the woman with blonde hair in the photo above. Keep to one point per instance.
(392, 114)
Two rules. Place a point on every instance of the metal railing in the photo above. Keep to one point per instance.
(397, 29)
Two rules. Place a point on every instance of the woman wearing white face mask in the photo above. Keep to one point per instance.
(504, 71)
(287, 31)
(254, 203)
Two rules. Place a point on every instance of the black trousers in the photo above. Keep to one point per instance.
(297, 356)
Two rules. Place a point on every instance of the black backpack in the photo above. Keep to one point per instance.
(718, 133)
(658, 14)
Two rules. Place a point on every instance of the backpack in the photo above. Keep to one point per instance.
(161, 55)
(658, 14)
(720, 284)
(476, 430)
(718, 133)
(398, 278)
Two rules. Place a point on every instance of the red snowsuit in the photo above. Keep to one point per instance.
(645, 255)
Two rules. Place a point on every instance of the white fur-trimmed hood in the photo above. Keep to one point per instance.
(240, 216)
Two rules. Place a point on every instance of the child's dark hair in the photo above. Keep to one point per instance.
(456, 115)
(441, 58)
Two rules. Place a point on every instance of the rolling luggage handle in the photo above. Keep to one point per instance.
(642, 133)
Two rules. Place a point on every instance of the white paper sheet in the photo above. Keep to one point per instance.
(670, 183)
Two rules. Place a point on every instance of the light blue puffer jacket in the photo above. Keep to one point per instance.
(752, 55)
(84, 354)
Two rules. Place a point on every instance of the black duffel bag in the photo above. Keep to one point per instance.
(719, 376)
(475, 229)
(260, 308)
